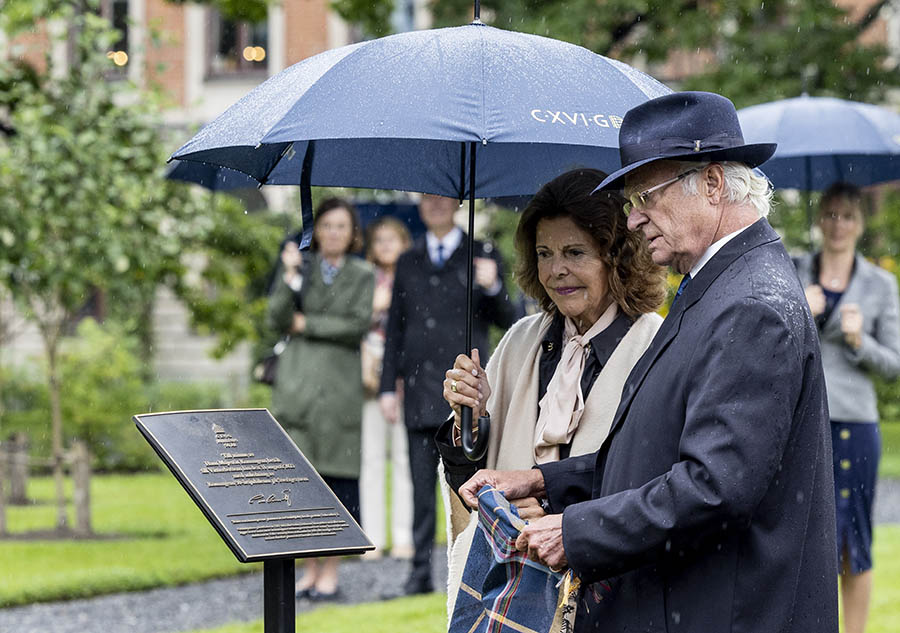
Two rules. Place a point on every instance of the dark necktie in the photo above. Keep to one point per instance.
(684, 282)
(441, 258)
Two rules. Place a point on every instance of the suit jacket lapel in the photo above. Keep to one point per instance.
(755, 235)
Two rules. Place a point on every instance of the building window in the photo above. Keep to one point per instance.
(116, 11)
(236, 47)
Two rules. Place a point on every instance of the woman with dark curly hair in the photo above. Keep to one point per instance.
(554, 382)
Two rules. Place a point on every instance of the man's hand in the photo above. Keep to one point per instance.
(515, 484)
(852, 324)
(485, 272)
(529, 508)
(815, 296)
(542, 540)
(388, 404)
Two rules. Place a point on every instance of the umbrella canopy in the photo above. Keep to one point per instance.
(822, 140)
(211, 177)
(393, 113)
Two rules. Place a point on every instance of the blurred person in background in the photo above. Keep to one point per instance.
(426, 330)
(386, 239)
(324, 303)
(857, 311)
(554, 381)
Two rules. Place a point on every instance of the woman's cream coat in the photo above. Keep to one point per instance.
(513, 376)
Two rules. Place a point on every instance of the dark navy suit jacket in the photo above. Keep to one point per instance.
(426, 327)
(710, 506)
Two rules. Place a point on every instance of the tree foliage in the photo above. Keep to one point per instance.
(85, 210)
(754, 51)
(238, 10)
(85, 205)
(372, 18)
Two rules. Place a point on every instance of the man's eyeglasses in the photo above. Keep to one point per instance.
(639, 200)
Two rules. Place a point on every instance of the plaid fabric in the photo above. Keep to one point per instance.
(501, 590)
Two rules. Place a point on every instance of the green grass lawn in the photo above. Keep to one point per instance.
(422, 614)
(885, 616)
(890, 450)
(151, 533)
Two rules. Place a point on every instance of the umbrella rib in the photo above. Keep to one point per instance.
(483, 102)
(462, 172)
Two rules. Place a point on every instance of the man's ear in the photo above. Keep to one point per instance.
(714, 179)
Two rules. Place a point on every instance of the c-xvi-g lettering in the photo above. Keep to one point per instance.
(560, 117)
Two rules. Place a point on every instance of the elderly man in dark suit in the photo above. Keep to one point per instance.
(425, 332)
(709, 507)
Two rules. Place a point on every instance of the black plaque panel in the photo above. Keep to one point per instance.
(254, 485)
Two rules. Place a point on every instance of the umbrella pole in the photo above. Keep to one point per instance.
(809, 210)
(473, 449)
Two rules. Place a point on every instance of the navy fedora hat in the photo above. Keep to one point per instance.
(683, 126)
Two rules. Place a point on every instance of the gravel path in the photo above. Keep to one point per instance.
(202, 605)
(211, 604)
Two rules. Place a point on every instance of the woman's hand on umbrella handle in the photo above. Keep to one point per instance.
(466, 385)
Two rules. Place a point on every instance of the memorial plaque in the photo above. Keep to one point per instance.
(253, 484)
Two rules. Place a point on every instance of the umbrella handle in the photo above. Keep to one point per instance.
(474, 449)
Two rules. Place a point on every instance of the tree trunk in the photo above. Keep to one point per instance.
(17, 467)
(56, 433)
(81, 487)
(3, 470)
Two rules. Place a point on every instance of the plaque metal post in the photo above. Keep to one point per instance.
(278, 596)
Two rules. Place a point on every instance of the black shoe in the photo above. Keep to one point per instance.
(304, 594)
(415, 586)
(320, 596)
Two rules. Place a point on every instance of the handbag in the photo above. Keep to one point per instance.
(266, 370)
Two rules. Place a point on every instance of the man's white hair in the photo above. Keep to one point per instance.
(742, 185)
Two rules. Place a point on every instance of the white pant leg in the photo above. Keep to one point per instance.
(401, 488)
(372, 473)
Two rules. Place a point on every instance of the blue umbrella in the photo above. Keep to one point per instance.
(822, 140)
(398, 112)
(414, 111)
(212, 177)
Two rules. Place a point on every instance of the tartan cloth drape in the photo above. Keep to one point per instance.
(501, 590)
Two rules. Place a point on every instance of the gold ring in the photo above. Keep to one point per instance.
(453, 386)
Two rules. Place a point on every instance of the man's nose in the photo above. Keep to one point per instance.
(635, 219)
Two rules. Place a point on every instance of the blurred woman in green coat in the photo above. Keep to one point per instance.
(324, 304)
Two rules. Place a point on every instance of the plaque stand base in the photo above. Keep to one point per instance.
(278, 596)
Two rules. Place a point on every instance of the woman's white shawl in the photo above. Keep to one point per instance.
(513, 376)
